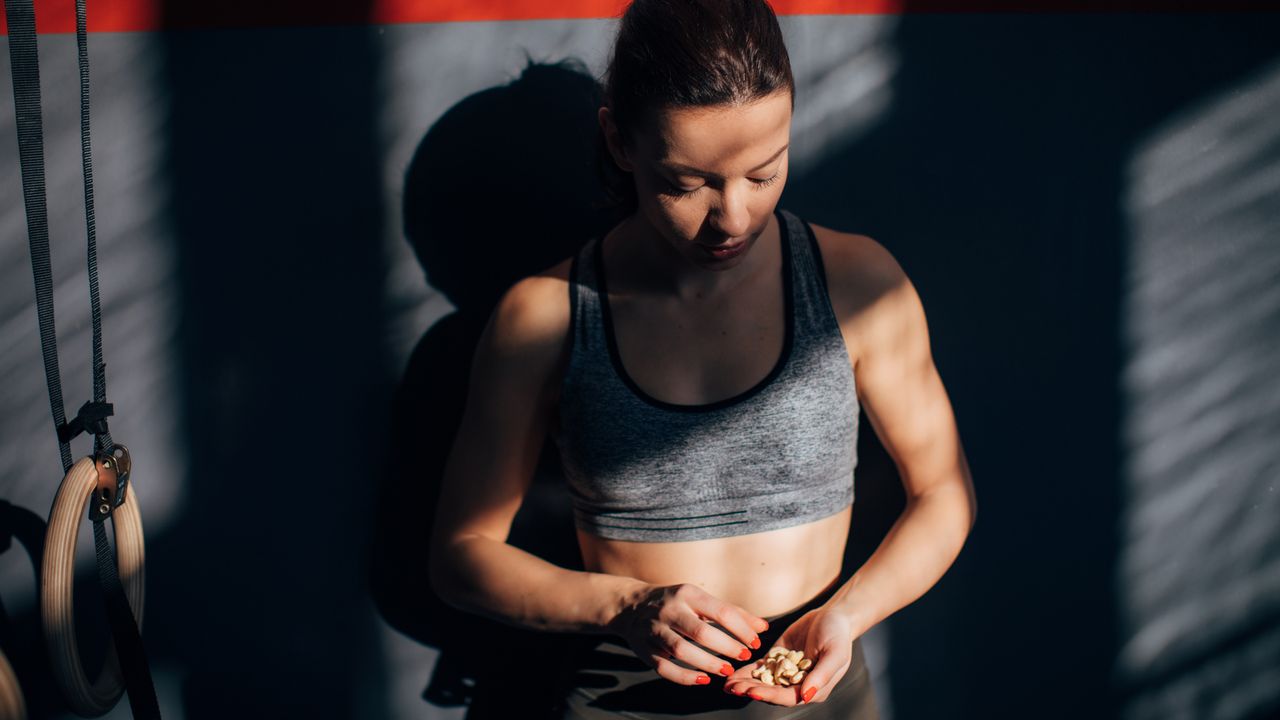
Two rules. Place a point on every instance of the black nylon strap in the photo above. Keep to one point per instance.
(101, 435)
(133, 657)
(24, 65)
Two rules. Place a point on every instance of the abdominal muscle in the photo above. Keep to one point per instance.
(767, 574)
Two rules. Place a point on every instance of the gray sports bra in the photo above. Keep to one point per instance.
(779, 454)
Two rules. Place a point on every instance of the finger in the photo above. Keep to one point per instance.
(742, 624)
(825, 672)
(669, 670)
(816, 694)
(710, 637)
(677, 647)
(772, 694)
(741, 679)
(736, 687)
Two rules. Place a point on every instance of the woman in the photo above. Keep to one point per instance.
(701, 368)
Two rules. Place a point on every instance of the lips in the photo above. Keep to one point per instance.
(721, 252)
(726, 246)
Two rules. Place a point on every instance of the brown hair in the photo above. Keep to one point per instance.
(688, 53)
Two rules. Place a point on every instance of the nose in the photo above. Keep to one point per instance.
(731, 216)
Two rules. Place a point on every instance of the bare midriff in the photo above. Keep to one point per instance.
(768, 573)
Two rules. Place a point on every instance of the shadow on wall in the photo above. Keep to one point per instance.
(22, 641)
(273, 157)
(996, 179)
(501, 187)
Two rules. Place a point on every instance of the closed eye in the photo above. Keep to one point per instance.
(766, 182)
(677, 191)
(680, 192)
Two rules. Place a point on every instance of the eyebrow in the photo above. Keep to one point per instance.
(686, 170)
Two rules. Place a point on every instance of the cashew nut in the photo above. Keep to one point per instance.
(782, 667)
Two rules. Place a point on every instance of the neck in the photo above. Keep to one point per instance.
(649, 264)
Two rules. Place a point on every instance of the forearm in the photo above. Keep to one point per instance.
(913, 556)
(491, 578)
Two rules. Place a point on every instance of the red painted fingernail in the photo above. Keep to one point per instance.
(726, 670)
(755, 645)
(753, 696)
(703, 680)
(808, 694)
(745, 654)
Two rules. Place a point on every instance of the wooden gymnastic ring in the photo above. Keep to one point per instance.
(12, 706)
(58, 576)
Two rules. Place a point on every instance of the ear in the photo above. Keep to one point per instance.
(613, 139)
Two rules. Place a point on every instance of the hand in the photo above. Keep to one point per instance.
(666, 625)
(826, 638)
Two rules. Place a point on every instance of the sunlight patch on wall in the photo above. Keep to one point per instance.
(1200, 557)
(844, 69)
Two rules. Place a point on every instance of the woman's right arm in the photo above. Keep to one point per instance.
(511, 396)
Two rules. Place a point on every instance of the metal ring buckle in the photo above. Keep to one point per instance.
(113, 479)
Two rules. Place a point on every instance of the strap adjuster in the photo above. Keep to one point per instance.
(113, 480)
(92, 418)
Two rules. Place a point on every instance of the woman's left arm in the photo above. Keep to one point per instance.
(908, 407)
(884, 326)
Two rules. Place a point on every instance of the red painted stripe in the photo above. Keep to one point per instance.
(58, 16)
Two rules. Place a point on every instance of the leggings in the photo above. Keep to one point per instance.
(605, 679)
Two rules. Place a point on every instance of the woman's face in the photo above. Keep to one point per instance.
(709, 178)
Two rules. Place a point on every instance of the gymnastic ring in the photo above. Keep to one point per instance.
(58, 576)
(12, 706)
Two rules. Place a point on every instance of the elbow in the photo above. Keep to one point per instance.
(971, 494)
(455, 573)
(442, 573)
(973, 504)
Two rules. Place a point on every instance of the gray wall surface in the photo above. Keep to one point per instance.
(1086, 204)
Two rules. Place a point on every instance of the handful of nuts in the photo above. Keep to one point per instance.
(782, 667)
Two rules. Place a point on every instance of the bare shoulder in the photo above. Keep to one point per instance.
(859, 269)
(873, 298)
(531, 322)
